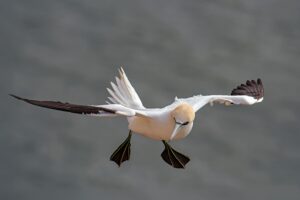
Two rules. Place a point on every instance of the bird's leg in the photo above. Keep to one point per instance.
(122, 153)
(174, 158)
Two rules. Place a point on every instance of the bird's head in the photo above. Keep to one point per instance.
(183, 116)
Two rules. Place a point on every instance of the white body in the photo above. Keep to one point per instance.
(158, 127)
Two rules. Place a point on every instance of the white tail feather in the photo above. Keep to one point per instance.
(123, 93)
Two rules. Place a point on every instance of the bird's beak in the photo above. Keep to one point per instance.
(177, 127)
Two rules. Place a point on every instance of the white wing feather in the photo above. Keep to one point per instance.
(246, 94)
(197, 102)
(121, 110)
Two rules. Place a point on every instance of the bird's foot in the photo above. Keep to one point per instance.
(122, 153)
(174, 158)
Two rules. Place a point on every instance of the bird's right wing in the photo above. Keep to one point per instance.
(109, 110)
(246, 94)
(123, 93)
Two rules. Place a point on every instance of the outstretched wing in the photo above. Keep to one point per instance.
(74, 108)
(123, 93)
(109, 110)
(246, 94)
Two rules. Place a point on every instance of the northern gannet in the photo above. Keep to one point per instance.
(172, 122)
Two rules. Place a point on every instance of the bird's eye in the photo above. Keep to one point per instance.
(185, 123)
(182, 124)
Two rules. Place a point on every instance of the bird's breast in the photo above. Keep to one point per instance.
(157, 128)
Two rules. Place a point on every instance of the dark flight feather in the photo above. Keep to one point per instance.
(252, 88)
(67, 107)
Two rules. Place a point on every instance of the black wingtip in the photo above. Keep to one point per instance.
(17, 97)
(251, 88)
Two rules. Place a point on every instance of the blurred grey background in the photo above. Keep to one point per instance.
(70, 51)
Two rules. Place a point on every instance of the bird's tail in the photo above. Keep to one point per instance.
(123, 93)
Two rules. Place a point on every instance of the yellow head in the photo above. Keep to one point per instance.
(183, 113)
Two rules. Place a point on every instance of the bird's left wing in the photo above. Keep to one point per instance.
(93, 110)
(246, 94)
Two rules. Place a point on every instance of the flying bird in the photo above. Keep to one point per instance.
(173, 122)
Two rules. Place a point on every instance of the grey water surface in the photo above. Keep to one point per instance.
(70, 50)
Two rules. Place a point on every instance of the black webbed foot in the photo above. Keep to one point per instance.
(122, 153)
(173, 157)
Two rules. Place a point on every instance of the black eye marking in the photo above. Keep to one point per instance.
(185, 123)
(176, 121)
(182, 124)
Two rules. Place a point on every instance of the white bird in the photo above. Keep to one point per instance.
(172, 122)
